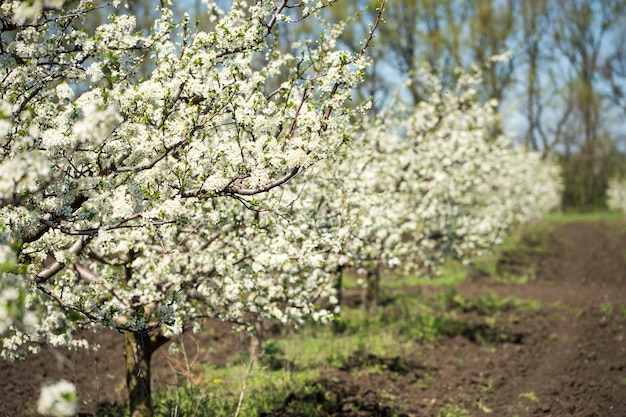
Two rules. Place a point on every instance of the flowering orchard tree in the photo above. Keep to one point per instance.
(349, 206)
(149, 203)
(439, 181)
(532, 188)
(462, 182)
(616, 195)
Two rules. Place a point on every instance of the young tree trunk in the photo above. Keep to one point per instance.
(372, 289)
(138, 350)
(336, 324)
(256, 343)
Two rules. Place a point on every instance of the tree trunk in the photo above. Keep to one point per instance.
(372, 289)
(256, 343)
(336, 323)
(138, 350)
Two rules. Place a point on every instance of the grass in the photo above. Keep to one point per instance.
(452, 273)
(220, 394)
(408, 319)
(572, 311)
(521, 241)
(491, 304)
(586, 217)
(480, 404)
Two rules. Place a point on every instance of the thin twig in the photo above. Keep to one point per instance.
(245, 384)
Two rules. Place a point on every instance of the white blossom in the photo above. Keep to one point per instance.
(57, 399)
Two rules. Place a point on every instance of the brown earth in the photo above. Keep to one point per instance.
(567, 358)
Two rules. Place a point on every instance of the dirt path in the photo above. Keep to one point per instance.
(567, 358)
(575, 359)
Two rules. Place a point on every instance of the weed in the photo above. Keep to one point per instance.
(424, 382)
(522, 279)
(374, 369)
(607, 308)
(482, 407)
(530, 396)
(491, 321)
(573, 311)
(554, 337)
(489, 386)
(453, 410)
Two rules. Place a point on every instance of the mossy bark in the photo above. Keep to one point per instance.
(138, 350)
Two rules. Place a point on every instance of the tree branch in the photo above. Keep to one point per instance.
(55, 267)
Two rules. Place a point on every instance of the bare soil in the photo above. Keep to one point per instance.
(567, 358)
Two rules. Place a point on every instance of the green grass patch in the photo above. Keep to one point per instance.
(388, 332)
(575, 312)
(452, 272)
(395, 327)
(260, 389)
(491, 304)
(607, 308)
(585, 217)
(453, 410)
(507, 262)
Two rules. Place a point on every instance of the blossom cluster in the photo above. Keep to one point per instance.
(57, 399)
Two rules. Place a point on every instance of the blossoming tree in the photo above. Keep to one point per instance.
(438, 180)
(149, 203)
(616, 195)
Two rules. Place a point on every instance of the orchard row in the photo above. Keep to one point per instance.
(235, 181)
